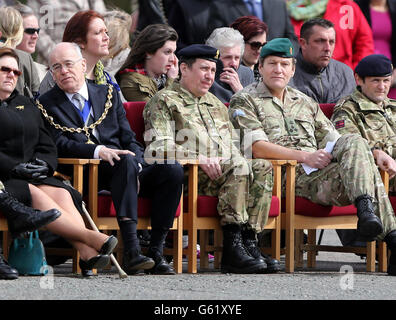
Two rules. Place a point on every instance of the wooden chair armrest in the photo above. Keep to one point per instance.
(78, 165)
(385, 179)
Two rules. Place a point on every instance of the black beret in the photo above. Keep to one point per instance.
(201, 51)
(281, 47)
(374, 65)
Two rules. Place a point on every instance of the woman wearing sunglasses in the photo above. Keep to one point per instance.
(28, 159)
(254, 33)
(11, 29)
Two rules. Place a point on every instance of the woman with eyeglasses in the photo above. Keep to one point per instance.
(28, 159)
(151, 64)
(11, 30)
(31, 32)
(87, 29)
(254, 33)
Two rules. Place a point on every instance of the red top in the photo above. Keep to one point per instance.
(354, 39)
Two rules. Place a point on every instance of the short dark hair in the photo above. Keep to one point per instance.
(5, 51)
(306, 29)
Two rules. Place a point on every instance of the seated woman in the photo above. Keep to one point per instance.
(151, 65)
(254, 33)
(28, 158)
(12, 31)
(87, 29)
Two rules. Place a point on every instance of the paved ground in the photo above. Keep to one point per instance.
(326, 282)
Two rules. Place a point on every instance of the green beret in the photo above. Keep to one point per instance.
(374, 65)
(281, 47)
(201, 51)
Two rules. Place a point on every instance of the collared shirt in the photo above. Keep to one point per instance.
(255, 7)
(84, 93)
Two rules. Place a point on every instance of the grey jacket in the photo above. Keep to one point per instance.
(224, 92)
(325, 86)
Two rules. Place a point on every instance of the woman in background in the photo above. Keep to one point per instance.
(381, 16)
(151, 64)
(254, 33)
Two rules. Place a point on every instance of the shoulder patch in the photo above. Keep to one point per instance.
(238, 113)
(339, 124)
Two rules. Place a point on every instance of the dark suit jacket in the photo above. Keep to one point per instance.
(114, 132)
(194, 20)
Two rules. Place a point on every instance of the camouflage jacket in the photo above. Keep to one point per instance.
(297, 123)
(376, 123)
(177, 121)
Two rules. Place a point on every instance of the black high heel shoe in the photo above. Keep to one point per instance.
(97, 262)
(108, 246)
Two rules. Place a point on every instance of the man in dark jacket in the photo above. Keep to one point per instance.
(317, 74)
(75, 103)
(194, 20)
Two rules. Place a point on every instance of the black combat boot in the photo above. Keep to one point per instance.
(133, 261)
(235, 257)
(21, 218)
(6, 272)
(369, 225)
(155, 251)
(250, 243)
(390, 240)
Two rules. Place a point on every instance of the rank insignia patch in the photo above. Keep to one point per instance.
(340, 124)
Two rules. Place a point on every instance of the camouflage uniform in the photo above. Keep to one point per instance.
(53, 18)
(376, 123)
(245, 187)
(299, 124)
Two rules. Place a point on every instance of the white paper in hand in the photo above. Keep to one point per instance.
(329, 148)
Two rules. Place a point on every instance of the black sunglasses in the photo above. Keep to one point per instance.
(8, 70)
(31, 31)
(256, 45)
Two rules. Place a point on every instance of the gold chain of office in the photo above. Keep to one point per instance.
(92, 126)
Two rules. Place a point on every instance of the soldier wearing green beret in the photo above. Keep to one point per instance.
(279, 122)
(185, 120)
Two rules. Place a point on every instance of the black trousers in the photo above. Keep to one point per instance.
(162, 183)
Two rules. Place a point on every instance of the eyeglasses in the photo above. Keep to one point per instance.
(67, 65)
(31, 31)
(256, 45)
(8, 70)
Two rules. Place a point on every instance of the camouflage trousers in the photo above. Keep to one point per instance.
(352, 173)
(244, 191)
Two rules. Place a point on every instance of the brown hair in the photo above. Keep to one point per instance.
(5, 51)
(77, 28)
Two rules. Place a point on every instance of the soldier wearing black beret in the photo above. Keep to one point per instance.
(370, 113)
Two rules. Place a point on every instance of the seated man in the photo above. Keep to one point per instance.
(203, 132)
(318, 75)
(20, 219)
(231, 76)
(75, 105)
(279, 122)
(369, 113)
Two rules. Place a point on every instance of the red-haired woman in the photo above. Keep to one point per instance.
(254, 33)
(87, 29)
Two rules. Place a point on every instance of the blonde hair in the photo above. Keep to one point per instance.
(118, 24)
(11, 27)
